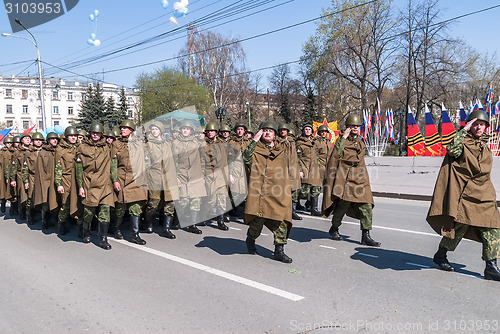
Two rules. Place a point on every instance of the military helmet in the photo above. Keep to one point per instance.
(268, 125)
(70, 131)
(225, 127)
(158, 124)
(283, 126)
(307, 125)
(291, 132)
(240, 123)
(37, 135)
(25, 135)
(16, 139)
(82, 132)
(353, 119)
(51, 135)
(107, 132)
(116, 133)
(479, 114)
(187, 124)
(212, 126)
(7, 140)
(322, 128)
(201, 129)
(176, 128)
(128, 123)
(251, 131)
(96, 127)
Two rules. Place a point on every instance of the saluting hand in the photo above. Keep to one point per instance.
(469, 124)
(346, 133)
(258, 135)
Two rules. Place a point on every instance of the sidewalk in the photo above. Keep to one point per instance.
(412, 177)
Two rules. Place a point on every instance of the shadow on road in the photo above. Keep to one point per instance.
(396, 260)
(229, 246)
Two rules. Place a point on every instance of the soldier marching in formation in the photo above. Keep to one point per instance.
(200, 173)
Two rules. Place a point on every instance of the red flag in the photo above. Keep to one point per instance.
(29, 130)
(447, 129)
(433, 145)
(416, 145)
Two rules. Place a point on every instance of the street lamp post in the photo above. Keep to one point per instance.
(220, 113)
(248, 110)
(42, 102)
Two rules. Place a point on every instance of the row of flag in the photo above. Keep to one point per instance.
(6, 131)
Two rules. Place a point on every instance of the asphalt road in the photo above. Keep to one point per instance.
(208, 284)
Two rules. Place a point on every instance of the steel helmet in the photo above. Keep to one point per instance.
(240, 123)
(128, 123)
(16, 139)
(291, 132)
(479, 114)
(96, 127)
(212, 126)
(70, 130)
(201, 129)
(322, 128)
(353, 119)
(158, 124)
(116, 133)
(307, 125)
(268, 125)
(51, 135)
(7, 140)
(25, 135)
(82, 132)
(225, 127)
(283, 126)
(187, 124)
(37, 135)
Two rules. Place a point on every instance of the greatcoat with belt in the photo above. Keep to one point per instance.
(308, 161)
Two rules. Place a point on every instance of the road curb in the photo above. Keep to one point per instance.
(407, 196)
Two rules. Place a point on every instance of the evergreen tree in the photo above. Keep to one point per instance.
(92, 108)
(309, 107)
(111, 118)
(122, 110)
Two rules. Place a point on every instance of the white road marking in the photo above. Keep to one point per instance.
(369, 255)
(264, 234)
(220, 273)
(235, 228)
(475, 276)
(323, 246)
(417, 265)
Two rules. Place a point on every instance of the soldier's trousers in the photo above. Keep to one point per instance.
(90, 211)
(295, 195)
(364, 210)
(279, 229)
(187, 204)
(134, 208)
(157, 203)
(63, 215)
(216, 203)
(307, 191)
(490, 238)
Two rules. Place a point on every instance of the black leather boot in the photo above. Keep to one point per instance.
(30, 216)
(194, 218)
(491, 272)
(295, 216)
(103, 235)
(441, 260)
(2, 205)
(148, 222)
(134, 235)
(193, 229)
(45, 219)
(367, 240)
(220, 223)
(166, 221)
(86, 232)
(13, 211)
(175, 223)
(334, 232)
(279, 254)
(22, 212)
(117, 231)
(61, 228)
(300, 206)
(252, 250)
(226, 217)
(314, 207)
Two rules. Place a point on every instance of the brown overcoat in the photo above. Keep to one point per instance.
(10, 192)
(464, 191)
(293, 163)
(307, 153)
(188, 153)
(31, 159)
(3, 186)
(45, 189)
(347, 176)
(324, 150)
(131, 169)
(238, 170)
(215, 167)
(161, 171)
(269, 194)
(18, 161)
(65, 155)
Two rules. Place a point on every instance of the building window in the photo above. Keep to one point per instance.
(130, 100)
(130, 114)
(8, 108)
(39, 110)
(55, 95)
(26, 124)
(84, 96)
(24, 94)
(70, 110)
(56, 123)
(70, 96)
(10, 124)
(55, 110)
(25, 109)
(8, 92)
(40, 124)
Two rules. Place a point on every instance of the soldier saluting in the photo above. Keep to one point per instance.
(347, 188)
(464, 202)
(269, 200)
